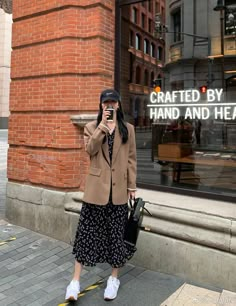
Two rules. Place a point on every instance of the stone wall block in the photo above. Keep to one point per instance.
(25, 193)
(53, 198)
(233, 237)
(21, 213)
(53, 222)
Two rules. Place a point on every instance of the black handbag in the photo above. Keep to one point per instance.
(134, 222)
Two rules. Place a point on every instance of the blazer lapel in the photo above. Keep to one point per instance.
(106, 151)
(116, 145)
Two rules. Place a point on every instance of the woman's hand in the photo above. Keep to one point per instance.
(131, 194)
(105, 115)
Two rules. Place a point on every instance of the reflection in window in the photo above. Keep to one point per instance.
(146, 78)
(159, 80)
(150, 5)
(152, 51)
(138, 42)
(146, 46)
(160, 54)
(150, 25)
(179, 152)
(176, 17)
(138, 75)
(178, 85)
(131, 38)
(152, 78)
(157, 7)
(143, 21)
(230, 17)
(134, 15)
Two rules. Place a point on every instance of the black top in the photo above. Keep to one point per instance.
(110, 140)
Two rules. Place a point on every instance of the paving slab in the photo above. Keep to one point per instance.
(189, 295)
(227, 298)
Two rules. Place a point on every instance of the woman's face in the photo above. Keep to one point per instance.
(110, 102)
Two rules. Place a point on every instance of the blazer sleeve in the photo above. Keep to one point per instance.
(132, 161)
(93, 139)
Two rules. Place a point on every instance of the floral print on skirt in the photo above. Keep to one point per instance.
(99, 236)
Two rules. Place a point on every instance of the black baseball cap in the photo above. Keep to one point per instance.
(109, 95)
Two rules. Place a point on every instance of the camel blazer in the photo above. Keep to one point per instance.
(121, 173)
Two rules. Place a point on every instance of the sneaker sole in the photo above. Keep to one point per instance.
(108, 299)
(71, 298)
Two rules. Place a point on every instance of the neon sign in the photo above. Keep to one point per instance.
(191, 104)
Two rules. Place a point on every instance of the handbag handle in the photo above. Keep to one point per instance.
(130, 203)
(138, 207)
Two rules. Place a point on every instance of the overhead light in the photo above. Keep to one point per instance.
(230, 71)
(215, 56)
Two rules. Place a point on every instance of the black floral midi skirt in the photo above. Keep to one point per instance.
(99, 236)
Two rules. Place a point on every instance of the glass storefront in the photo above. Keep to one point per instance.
(180, 93)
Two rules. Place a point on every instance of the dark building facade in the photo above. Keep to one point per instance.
(142, 57)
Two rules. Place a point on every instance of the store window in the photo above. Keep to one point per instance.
(160, 53)
(152, 79)
(152, 51)
(150, 25)
(138, 75)
(146, 46)
(134, 15)
(143, 21)
(149, 5)
(230, 17)
(176, 18)
(138, 42)
(146, 77)
(131, 38)
(157, 7)
(182, 104)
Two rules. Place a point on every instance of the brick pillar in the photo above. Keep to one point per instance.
(63, 56)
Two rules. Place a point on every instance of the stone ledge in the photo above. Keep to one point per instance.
(187, 225)
(190, 261)
(73, 207)
(195, 227)
(188, 203)
(83, 119)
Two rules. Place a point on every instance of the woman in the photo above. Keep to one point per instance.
(109, 184)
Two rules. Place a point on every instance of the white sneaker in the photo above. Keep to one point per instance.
(111, 290)
(72, 291)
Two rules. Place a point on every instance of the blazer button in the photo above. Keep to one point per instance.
(114, 184)
(113, 170)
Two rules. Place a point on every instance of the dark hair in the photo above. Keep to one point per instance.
(120, 119)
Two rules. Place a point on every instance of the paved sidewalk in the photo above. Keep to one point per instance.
(35, 270)
(3, 170)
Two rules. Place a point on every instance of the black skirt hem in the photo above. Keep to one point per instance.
(93, 264)
(87, 263)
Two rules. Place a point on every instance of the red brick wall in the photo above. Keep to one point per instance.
(63, 56)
